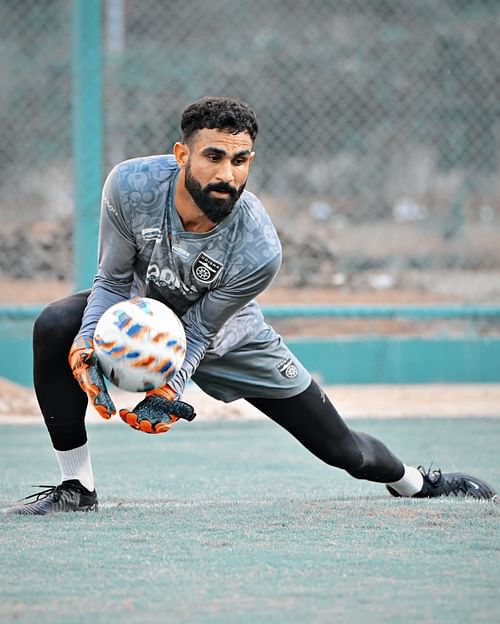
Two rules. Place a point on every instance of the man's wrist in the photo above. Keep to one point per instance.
(165, 391)
(81, 348)
(82, 342)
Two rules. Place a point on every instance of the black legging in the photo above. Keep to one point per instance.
(61, 400)
(309, 416)
(314, 421)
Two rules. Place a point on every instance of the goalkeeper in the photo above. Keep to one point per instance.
(181, 228)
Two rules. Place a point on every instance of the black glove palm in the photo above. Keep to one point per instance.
(157, 412)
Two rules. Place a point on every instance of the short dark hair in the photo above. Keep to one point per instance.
(219, 113)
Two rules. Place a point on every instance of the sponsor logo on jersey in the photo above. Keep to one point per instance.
(110, 206)
(206, 269)
(151, 233)
(288, 368)
(166, 278)
(179, 251)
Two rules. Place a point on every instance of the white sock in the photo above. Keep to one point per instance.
(410, 483)
(75, 464)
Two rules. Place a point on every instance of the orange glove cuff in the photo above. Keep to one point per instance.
(80, 348)
(165, 391)
(86, 371)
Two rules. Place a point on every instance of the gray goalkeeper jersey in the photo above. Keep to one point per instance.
(210, 279)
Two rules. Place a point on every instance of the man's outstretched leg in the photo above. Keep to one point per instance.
(63, 406)
(314, 421)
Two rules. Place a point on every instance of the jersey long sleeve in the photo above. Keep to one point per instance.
(116, 256)
(209, 280)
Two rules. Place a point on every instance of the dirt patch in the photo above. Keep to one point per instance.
(347, 256)
(24, 291)
(18, 403)
(16, 400)
(32, 292)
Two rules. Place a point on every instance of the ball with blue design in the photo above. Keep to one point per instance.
(140, 344)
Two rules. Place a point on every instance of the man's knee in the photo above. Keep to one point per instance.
(51, 323)
(378, 463)
(56, 325)
(343, 453)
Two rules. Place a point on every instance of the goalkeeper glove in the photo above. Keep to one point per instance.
(157, 412)
(86, 371)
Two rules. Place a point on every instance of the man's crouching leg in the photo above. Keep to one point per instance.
(313, 420)
(63, 406)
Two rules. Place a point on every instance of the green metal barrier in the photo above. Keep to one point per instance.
(415, 312)
(87, 135)
(384, 311)
(352, 360)
(16, 359)
(372, 360)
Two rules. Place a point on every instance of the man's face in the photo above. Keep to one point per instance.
(217, 169)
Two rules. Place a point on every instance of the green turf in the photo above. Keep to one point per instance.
(237, 523)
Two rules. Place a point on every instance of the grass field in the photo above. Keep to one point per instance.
(235, 522)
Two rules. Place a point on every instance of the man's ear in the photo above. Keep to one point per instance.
(181, 153)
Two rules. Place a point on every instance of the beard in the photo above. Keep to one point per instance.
(215, 208)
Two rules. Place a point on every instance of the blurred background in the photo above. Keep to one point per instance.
(378, 153)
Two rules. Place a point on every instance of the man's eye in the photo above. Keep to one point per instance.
(239, 161)
(213, 157)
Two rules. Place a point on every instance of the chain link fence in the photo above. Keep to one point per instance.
(378, 152)
(35, 147)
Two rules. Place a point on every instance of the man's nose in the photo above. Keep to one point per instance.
(225, 172)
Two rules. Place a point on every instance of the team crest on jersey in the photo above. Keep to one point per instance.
(206, 269)
(288, 368)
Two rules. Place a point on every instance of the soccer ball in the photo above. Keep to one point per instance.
(140, 344)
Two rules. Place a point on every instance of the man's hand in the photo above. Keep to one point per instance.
(157, 412)
(86, 371)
